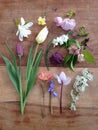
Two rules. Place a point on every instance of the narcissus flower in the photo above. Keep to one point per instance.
(41, 21)
(44, 76)
(42, 35)
(23, 29)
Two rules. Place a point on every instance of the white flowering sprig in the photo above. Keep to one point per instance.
(80, 84)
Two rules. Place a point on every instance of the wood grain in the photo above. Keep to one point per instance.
(82, 119)
(87, 106)
(86, 117)
(86, 15)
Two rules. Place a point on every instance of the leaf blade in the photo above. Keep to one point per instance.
(88, 56)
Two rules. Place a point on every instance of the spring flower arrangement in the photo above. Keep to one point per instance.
(77, 50)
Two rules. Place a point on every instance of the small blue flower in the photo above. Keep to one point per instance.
(51, 89)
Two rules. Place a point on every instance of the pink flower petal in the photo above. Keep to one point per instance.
(58, 21)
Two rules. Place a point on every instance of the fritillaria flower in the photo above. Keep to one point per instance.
(56, 59)
(63, 80)
(44, 76)
(51, 92)
(23, 29)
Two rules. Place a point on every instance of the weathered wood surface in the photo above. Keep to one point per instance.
(86, 116)
(86, 15)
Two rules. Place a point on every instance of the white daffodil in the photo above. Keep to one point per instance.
(42, 35)
(23, 29)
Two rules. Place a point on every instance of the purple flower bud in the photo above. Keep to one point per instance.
(51, 89)
(55, 94)
(56, 58)
(51, 86)
(58, 21)
(19, 49)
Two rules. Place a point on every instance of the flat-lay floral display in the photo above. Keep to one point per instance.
(77, 52)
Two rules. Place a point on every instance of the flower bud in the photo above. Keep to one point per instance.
(58, 21)
(42, 35)
(19, 50)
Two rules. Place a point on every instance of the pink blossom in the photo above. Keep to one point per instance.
(44, 76)
(68, 24)
(81, 58)
(58, 21)
(73, 49)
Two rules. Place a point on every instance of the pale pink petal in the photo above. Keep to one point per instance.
(58, 21)
(57, 78)
(68, 24)
(62, 76)
(67, 81)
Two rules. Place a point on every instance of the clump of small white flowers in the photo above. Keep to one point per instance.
(60, 40)
(80, 84)
(23, 29)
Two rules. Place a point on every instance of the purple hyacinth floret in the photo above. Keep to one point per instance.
(51, 89)
(56, 58)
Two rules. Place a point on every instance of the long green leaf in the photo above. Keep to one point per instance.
(33, 74)
(88, 56)
(11, 72)
(67, 58)
(29, 63)
(71, 62)
(46, 54)
(13, 56)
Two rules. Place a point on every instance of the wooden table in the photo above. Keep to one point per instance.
(86, 117)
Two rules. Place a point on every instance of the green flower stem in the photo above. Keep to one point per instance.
(50, 104)
(20, 86)
(43, 102)
(61, 98)
(36, 50)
